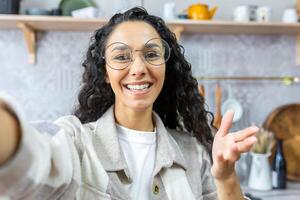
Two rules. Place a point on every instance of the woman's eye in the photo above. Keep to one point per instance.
(121, 58)
(152, 55)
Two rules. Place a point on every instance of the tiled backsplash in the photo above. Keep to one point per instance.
(49, 88)
(246, 55)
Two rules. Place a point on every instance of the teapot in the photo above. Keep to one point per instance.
(201, 12)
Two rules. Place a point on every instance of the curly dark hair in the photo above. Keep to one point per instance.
(179, 104)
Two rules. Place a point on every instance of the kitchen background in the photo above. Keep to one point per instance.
(48, 89)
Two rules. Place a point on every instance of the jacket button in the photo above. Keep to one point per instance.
(155, 189)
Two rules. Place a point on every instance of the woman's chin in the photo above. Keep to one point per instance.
(140, 106)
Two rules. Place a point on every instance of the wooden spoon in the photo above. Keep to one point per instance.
(201, 90)
(218, 101)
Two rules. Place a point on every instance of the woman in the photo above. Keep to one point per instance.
(140, 131)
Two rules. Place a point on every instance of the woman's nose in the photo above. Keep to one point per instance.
(138, 66)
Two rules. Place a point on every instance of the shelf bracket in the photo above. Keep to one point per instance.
(30, 39)
(177, 30)
(298, 50)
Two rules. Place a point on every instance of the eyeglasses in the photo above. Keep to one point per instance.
(155, 52)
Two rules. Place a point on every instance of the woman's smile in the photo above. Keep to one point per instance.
(138, 88)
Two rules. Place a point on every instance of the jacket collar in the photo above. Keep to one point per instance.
(108, 148)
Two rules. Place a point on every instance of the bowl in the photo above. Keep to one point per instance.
(37, 11)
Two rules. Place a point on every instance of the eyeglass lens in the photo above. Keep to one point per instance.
(156, 52)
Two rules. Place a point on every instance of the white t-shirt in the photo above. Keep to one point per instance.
(139, 150)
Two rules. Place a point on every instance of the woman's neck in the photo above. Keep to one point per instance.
(136, 120)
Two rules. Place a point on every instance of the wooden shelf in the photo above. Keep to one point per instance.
(51, 23)
(31, 24)
(231, 27)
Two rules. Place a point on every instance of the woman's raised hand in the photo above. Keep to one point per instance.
(227, 147)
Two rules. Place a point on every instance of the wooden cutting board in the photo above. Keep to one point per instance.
(284, 122)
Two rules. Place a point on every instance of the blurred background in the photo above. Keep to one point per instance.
(48, 88)
(60, 54)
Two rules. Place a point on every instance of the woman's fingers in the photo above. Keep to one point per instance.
(245, 133)
(245, 138)
(246, 144)
(232, 154)
(225, 123)
(234, 149)
(229, 147)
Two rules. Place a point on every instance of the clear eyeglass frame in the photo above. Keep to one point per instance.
(119, 55)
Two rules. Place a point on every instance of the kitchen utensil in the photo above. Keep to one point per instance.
(241, 14)
(182, 16)
(201, 90)
(298, 8)
(232, 104)
(264, 14)
(67, 6)
(284, 122)
(252, 12)
(245, 13)
(290, 16)
(169, 10)
(218, 101)
(291, 147)
(201, 12)
(37, 11)
(88, 12)
(260, 173)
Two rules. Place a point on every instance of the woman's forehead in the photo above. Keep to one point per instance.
(133, 33)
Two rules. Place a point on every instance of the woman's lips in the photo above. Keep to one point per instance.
(138, 89)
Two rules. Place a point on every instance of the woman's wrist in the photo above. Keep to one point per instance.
(228, 180)
(229, 188)
(226, 174)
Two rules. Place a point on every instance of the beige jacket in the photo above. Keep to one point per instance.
(70, 160)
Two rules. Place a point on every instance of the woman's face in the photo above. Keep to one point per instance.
(137, 86)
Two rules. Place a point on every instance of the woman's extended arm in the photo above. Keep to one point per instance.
(39, 163)
(9, 133)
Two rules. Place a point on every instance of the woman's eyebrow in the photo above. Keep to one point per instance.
(150, 45)
(125, 47)
(120, 47)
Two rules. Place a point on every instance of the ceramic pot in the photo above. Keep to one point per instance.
(260, 172)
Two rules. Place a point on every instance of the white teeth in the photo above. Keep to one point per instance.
(138, 87)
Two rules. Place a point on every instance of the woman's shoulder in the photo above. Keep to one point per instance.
(81, 133)
(72, 121)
